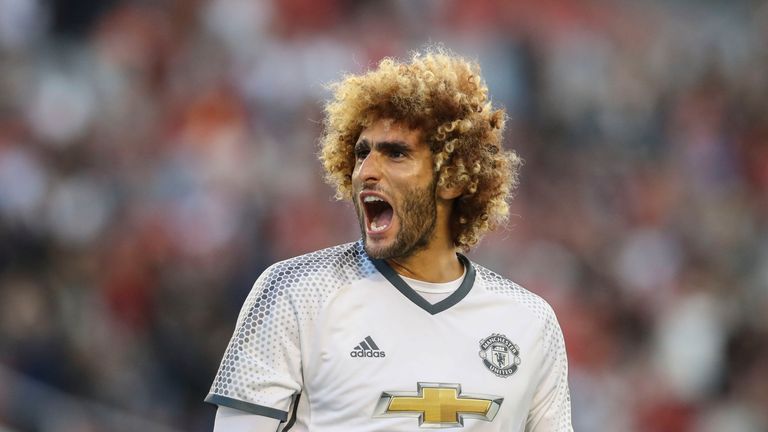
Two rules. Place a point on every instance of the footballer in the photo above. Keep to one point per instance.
(400, 331)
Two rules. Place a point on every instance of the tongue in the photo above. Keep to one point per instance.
(383, 218)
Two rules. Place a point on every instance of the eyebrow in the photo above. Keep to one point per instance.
(400, 146)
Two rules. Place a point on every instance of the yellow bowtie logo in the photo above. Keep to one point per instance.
(438, 405)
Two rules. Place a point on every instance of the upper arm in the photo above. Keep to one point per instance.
(232, 420)
(261, 369)
(551, 407)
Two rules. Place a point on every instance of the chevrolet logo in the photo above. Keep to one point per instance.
(438, 405)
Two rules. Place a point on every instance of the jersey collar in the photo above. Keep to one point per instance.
(406, 290)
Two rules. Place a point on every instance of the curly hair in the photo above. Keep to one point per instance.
(443, 96)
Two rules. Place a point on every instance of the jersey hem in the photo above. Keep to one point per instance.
(247, 407)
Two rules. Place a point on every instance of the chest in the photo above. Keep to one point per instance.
(376, 361)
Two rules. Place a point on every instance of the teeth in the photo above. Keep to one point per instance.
(371, 198)
(375, 227)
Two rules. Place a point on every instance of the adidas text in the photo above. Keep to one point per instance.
(367, 348)
(367, 354)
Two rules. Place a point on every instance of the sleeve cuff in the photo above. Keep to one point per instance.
(247, 407)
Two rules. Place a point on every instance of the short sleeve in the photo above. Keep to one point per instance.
(551, 408)
(261, 369)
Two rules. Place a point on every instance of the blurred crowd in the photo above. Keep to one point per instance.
(156, 156)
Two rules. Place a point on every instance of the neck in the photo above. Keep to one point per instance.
(437, 262)
(429, 265)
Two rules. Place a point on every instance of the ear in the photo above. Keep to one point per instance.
(449, 193)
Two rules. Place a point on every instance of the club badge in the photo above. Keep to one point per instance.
(500, 355)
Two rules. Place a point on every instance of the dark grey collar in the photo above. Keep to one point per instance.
(406, 290)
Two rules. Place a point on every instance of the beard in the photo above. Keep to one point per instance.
(417, 215)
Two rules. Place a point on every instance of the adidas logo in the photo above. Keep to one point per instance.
(367, 348)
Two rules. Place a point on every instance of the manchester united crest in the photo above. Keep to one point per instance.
(500, 355)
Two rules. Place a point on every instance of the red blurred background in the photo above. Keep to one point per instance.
(155, 157)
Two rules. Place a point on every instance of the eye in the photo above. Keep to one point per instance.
(361, 152)
(396, 154)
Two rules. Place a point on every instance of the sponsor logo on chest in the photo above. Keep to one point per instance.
(438, 405)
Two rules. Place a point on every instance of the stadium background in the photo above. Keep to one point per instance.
(155, 156)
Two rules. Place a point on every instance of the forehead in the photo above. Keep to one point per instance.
(390, 130)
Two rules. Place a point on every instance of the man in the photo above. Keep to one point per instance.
(399, 332)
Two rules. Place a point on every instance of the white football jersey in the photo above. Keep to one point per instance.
(337, 341)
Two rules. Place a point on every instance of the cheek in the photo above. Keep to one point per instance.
(421, 179)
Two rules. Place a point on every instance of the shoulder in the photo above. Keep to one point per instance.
(496, 283)
(304, 283)
(333, 266)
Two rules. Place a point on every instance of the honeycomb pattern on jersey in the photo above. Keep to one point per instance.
(265, 343)
(264, 347)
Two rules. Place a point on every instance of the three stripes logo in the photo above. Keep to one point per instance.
(367, 348)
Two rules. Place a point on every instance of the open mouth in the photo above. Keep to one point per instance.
(378, 213)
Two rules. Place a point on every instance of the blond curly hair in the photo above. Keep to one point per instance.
(444, 96)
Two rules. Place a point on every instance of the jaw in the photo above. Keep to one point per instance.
(408, 223)
(380, 244)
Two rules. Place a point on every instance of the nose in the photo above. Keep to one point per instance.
(369, 169)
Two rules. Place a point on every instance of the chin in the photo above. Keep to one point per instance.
(377, 249)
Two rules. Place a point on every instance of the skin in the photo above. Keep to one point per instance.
(394, 162)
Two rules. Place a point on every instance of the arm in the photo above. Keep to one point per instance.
(260, 373)
(232, 420)
(551, 408)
